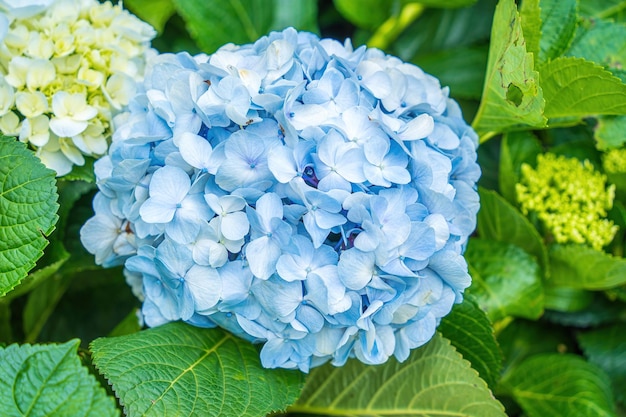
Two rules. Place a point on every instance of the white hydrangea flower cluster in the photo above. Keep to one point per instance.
(67, 68)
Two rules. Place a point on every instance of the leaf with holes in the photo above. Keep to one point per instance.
(512, 98)
(28, 203)
(49, 380)
(180, 370)
(434, 380)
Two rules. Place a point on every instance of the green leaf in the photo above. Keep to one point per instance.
(579, 266)
(83, 172)
(603, 8)
(601, 42)
(599, 312)
(470, 332)
(574, 87)
(434, 380)
(530, 14)
(517, 148)
(213, 23)
(558, 25)
(606, 348)
(506, 280)
(610, 132)
(499, 220)
(448, 4)
(180, 370)
(6, 330)
(462, 69)
(49, 380)
(512, 98)
(157, 13)
(366, 14)
(560, 385)
(28, 206)
(566, 299)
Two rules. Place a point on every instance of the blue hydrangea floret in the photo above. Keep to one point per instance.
(298, 192)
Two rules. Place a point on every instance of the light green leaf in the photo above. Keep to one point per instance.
(434, 380)
(579, 266)
(560, 385)
(603, 9)
(610, 132)
(462, 69)
(213, 23)
(530, 14)
(28, 206)
(517, 148)
(606, 348)
(157, 13)
(601, 42)
(470, 332)
(499, 220)
(180, 370)
(558, 25)
(512, 98)
(506, 280)
(49, 380)
(574, 87)
(366, 14)
(448, 4)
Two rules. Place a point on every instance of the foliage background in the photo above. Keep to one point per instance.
(542, 331)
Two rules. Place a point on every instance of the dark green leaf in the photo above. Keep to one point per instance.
(83, 172)
(157, 13)
(499, 220)
(470, 332)
(506, 280)
(512, 98)
(560, 385)
(558, 24)
(565, 298)
(434, 380)
(606, 348)
(576, 87)
(180, 370)
(301, 14)
(600, 311)
(517, 148)
(28, 206)
(6, 330)
(579, 266)
(448, 4)
(367, 14)
(462, 69)
(615, 9)
(49, 380)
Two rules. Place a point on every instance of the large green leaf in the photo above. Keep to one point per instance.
(574, 87)
(448, 4)
(601, 42)
(180, 370)
(615, 9)
(560, 385)
(367, 14)
(517, 148)
(434, 380)
(506, 280)
(512, 98)
(558, 25)
(213, 23)
(28, 211)
(579, 266)
(606, 348)
(530, 14)
(157, 13)
(49, 380)
(611, 132)
(499, 220)
(462, 69)
(470, 332)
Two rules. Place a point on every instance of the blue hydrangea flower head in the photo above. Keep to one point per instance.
(298, 192)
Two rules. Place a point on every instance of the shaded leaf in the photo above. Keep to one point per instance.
(512, 98)
(560, 385)
(49, 380)
(565, 298)
(615, 9)
(367, 14)
(558, 25)
(579, 266)
(606, 348)
(611, 132)
(470, 332)
(517, 148)
(28, 206)
(600, 311)
(506, 280)
(448, 4)
(83, 172)
(499, 220)
(434, 380)
(576, 87)
(462, 69)
(157, 14)
(180, 370)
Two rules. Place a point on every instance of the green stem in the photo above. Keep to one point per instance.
(395, 25)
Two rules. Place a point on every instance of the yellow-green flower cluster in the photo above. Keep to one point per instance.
(570, 198)
(65, 73)
(614, 161)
